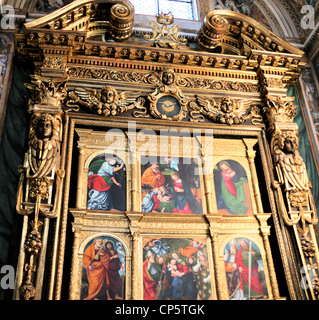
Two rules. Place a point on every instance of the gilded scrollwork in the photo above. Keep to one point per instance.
(106, 101)
(153, 78)
(224, 110)
(212, 31)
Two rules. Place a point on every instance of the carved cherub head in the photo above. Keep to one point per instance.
(109, 95)
(226, 105)
(168, 76)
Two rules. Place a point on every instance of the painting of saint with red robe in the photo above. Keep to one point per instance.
(103, 271)
(176, 269)
(107, 184)
(244, 270)
(170, 185)
(232, 189)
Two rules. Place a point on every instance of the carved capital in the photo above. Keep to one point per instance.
(279, 110)
(45, 91)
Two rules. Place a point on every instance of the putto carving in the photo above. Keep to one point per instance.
(164, 36)
(224, 110)
(47, 91)
(106, 101)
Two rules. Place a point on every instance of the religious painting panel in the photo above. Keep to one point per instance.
(106, 183)
(103, 269)
(244, 270)
(232, 189)
(170, 185)
(176, 269)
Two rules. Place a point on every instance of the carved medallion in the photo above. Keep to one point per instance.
(167, 101)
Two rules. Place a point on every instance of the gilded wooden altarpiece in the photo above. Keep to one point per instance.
(101, 99)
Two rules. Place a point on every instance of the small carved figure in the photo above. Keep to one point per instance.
(291, 168)
(44, 144)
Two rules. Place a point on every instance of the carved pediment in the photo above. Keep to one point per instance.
(232, 29)
(86, 18)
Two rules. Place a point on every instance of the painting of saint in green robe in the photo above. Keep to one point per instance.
(232, 190)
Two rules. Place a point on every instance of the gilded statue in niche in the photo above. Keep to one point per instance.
(292, 175)
(291, 168)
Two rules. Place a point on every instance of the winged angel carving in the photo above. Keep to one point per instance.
(107, 101)
(224, 110)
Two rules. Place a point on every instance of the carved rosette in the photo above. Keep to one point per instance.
(212, 31)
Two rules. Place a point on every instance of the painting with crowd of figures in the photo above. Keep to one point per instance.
(176, 269)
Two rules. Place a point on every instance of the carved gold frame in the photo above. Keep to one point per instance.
(133, 226)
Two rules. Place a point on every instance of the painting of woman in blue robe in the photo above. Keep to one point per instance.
(107, 184)
(231, 186)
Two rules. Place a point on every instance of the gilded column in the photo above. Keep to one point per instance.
(270, 264)
(219, 284)
(251, 153)
(135, 265)
(74, 268)
(79, 193)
